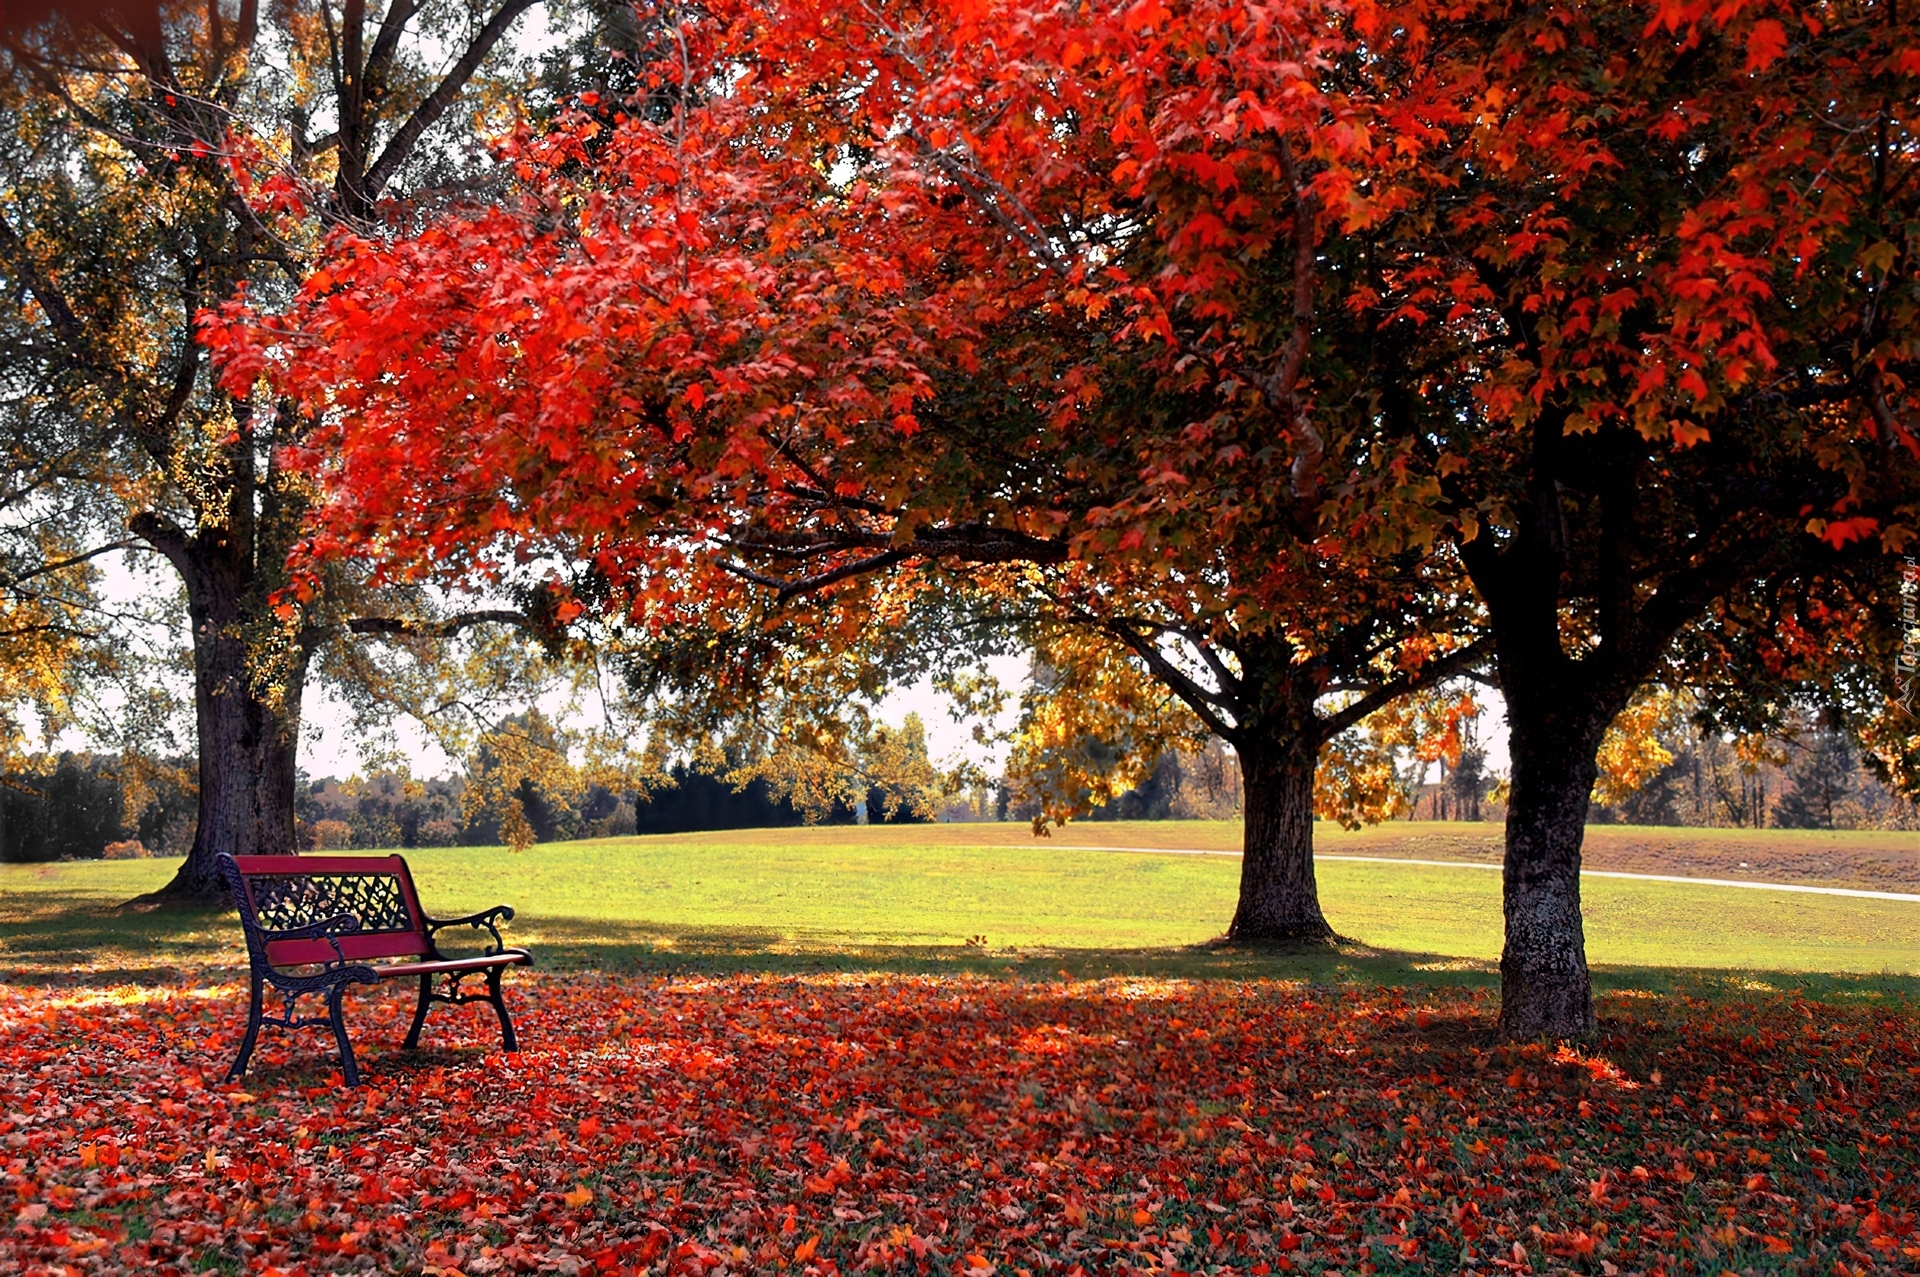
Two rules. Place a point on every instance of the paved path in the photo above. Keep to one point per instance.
(1800, 888)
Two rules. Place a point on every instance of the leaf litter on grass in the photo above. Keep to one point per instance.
(959, 1124)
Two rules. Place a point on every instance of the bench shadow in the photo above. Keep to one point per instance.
(311, 1063)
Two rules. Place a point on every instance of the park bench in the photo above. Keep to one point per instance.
(316, 924)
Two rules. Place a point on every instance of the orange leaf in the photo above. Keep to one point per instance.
(1765, 44)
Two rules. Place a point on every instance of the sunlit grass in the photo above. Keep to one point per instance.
(844, 898)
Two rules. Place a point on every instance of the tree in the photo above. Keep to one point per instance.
(777, 402)
(1822, 773)
(66, 808)
(47, 629)
(1672, 377)
(521, 783)
(1610, 325)
(160, 160)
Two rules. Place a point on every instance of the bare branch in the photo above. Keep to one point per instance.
(859, 567)
(1438, 670)
(447, 628)
(965, 543)
(380, 57)
(401, 146)
(9, 581)
(1205, 705)
(993, 198)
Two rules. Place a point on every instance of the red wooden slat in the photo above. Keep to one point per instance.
(285, 865)
(358, 947)
(414, 910)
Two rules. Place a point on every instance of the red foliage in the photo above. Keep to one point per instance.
(936, 1124)
(688, 324)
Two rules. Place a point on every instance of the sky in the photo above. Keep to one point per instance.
(328, 747)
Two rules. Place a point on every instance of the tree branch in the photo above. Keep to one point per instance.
(1438, 670)
(8, 581)
(401, 146)
(989, 195)
(166, 536)
(967, 543)
(380, 57)
(1198, 699)
(447, 628)
(53, 303)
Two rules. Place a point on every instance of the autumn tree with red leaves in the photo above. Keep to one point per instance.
(1663, 273)
(766, 392)
(1246, 329)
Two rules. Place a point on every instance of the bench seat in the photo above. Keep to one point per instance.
(510, 958)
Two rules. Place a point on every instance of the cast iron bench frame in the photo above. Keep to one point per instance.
(334, 913)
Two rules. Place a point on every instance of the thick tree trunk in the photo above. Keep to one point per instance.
(1544, 986)
(1278, 739)
(1279, 896)
(248, 726)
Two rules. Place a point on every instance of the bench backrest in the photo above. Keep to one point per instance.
(277, 893)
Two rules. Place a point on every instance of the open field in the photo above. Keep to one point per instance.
(1886, 860)
(920, 893)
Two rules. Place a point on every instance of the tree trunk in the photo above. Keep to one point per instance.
(1545, 991)
(248, 726)
(1279, 896)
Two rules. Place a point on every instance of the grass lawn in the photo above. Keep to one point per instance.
(798, 898)
(776, 1052)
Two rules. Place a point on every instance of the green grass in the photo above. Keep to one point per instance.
(913, 897)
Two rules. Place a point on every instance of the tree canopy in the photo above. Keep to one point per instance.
(157, 160)
(1303, 354)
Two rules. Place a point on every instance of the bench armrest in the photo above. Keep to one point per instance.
(485, 918)
(328, 929)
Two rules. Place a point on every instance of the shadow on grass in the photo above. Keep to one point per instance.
(576, 945)
(56, 938)
(71, 941)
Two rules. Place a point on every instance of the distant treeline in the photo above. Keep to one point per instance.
(1816, 780)
(74, 806)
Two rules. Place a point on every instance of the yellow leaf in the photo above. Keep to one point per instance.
(1632, 752)
(578, 1197)
(1878, 256)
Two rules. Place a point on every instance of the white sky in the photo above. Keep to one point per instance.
(329, 745)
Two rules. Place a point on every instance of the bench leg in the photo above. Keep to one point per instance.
(239, 1068)
(420, 1013)
(500, 1009)
(334, 1013)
